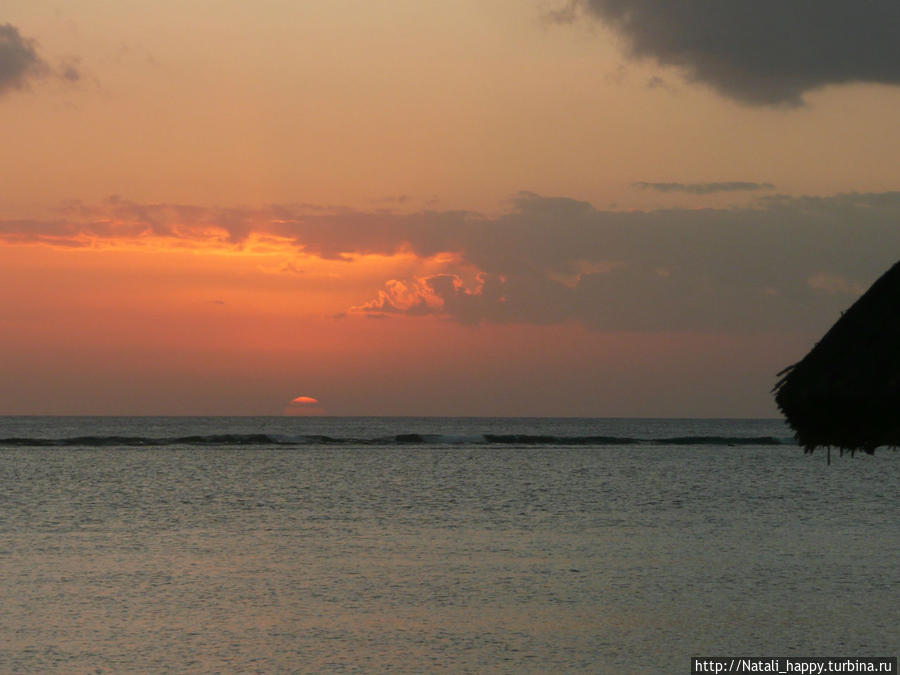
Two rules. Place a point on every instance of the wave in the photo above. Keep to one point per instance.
(229, 440)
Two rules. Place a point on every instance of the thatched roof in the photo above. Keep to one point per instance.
(846, 392)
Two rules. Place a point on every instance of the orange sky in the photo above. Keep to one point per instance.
(416, 208)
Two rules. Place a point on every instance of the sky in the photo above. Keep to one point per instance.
(479, 207)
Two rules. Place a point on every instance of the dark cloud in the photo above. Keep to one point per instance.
(781, 263)
(760, 52)
(19, 60)
(704, 188)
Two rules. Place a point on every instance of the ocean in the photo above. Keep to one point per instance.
(465, 545)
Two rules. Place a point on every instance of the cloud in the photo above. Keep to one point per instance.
(445, 294)
(834, 284)
(20, 62)
(656, 82)
(70, 71)
(704, 188)
(780, 263)
(759, 52)
(393, 200)
(784, 263)
(414, 298)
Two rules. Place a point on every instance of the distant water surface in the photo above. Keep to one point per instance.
(435, 544)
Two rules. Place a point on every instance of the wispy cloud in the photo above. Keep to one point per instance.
(705, 188)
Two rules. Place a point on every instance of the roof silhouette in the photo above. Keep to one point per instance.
(846, 392)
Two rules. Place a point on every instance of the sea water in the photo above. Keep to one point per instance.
(436, 545)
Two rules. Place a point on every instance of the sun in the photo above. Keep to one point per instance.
(304, 406)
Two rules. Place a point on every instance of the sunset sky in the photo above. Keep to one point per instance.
(405, 207)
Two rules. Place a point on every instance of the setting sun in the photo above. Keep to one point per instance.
(304, 406)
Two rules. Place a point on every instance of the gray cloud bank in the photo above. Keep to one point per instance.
(705, 188)
(759, 52)
(784, 263)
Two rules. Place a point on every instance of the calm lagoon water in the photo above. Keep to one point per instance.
(436, 545)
